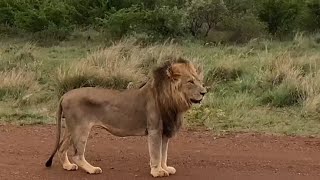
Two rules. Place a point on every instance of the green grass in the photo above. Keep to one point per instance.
(262, 86)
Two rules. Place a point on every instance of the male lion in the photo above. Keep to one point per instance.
(156, 110)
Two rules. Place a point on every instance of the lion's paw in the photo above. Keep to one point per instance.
(95, 170)
(70, 167)
(170, 170)
(159, 172)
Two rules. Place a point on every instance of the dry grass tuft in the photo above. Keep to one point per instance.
(281, 81)
(115, 66)
(311, 87)
(16, 82)
(283, 69)
(17, 78)
(20, 57)
(25, 54)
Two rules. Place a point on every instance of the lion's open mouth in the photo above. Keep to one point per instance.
(195, 101)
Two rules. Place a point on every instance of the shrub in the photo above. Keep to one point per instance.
(284, 95)
(7, 12)
(222, 74)
(310, 19)
(84, 12)
(234, 20)
(204, 15)
(281, 82)
(124, 21)
(165, 22)
(159, 23)
(245, 27)
(242, 7)
(37, 17)
(156, 20)
(280, 15)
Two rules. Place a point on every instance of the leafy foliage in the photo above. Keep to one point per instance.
(246, 19)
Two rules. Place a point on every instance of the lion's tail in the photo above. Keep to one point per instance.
(57, 145)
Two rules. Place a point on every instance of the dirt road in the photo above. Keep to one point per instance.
(195, 155)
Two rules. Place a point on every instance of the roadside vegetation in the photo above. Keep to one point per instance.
(263, 75)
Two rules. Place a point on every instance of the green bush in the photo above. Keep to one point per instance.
(282, 96)
(6, 12)
(204, 15)
(245, 28)
(159, 23)
(158, 20)
(242, 7)
(236, 19)
(124, 21)
(84, 12)
(311, 19)
(280, 15)
(52, 17)
(165, 21)
(38, 17)
(222, 74)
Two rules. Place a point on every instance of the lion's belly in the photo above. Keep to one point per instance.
(125, 132)
(123, 122)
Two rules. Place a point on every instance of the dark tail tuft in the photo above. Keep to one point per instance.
(58, 143)
(49, 162)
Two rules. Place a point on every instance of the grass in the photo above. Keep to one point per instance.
(262, 86)
(16, 82)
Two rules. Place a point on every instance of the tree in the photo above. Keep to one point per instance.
(205, 14)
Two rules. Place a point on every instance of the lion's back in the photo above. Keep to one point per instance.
(88, 95)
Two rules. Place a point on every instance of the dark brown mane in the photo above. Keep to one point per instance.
(170, 102)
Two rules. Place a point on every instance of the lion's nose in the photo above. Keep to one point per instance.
(203, 92)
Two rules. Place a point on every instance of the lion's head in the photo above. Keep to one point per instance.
(177, 85)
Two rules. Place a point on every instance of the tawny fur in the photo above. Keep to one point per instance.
(156, 109)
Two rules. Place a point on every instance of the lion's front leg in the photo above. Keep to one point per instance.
(165, 142)
(155, 151)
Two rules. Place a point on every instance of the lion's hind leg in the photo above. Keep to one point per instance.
(79, 138)
(63, 153)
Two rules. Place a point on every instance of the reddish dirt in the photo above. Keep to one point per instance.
(195, 154)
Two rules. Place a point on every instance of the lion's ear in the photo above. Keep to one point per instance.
(171, 74)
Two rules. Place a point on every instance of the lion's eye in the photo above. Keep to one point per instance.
(191, 81)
